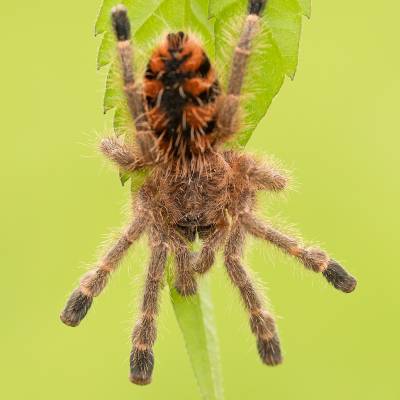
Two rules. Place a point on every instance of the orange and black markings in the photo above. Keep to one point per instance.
(180, 89)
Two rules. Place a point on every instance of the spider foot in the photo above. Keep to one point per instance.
(77, 307)
(256, 6)
(142, 365)
(186, 285)
(337, 276)
(270, 351)
(121, 23)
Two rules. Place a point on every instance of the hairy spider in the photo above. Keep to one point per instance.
(194, 188)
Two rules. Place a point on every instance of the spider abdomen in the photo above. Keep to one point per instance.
(180, 88)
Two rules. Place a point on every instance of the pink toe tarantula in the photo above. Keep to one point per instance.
(194, 187)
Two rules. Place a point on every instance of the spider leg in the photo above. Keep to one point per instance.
(229, 104)
(212, 241)
(121, 154)
(266, 177)
(133, 91)
(94, 281)
(145, 331)
(185, 279)
(312, 258)
(261, 321)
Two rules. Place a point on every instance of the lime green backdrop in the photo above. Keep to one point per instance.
(336, 127)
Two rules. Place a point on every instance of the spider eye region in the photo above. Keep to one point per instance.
(180, 88)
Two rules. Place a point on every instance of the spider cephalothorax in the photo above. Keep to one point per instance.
(194, 187)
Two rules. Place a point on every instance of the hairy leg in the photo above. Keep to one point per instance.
(94, 281)
(133, 91)
(185, 280)
(261, 321)
(145, 331)
(312, 258)
(260, 175)
(188, 263)
(229, 104)
(265, 177)
(213, 239)
(121, 154)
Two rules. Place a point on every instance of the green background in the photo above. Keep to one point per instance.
(335, 127)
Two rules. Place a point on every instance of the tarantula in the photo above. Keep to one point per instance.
(195, 188)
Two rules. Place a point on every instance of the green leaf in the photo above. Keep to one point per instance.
(195, 318)
(275, 54)
(283, 17)
(306, 7)
(265, 69)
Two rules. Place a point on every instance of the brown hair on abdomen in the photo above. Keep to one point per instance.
(180, 89)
